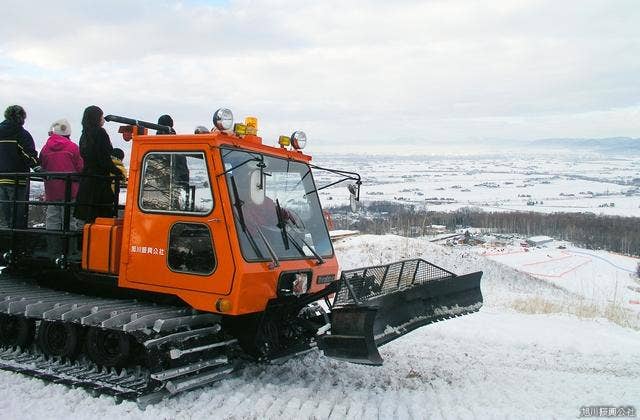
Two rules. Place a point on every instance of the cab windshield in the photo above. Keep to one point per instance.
(276, 207)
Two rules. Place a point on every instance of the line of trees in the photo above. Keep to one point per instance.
(612, 233)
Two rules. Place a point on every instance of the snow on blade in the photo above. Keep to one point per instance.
(443, 311)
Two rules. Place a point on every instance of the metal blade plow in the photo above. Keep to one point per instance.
(375, 305)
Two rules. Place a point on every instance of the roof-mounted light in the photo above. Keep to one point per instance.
(223, 119)
(298, 140)
(252, 125)
(284, 141)
(239, 129)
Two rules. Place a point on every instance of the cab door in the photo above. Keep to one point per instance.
(177, 235)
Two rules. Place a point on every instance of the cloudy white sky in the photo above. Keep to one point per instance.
(370, 72)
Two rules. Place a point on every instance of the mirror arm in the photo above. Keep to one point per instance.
(328, 185)
(346, 174)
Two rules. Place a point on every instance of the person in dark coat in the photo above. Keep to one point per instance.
(95, 196)
(17, 154)
(166, 120)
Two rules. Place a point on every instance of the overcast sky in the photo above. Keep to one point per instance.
(365, 72)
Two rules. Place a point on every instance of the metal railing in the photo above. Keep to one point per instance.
(358, 285)
(17, 227)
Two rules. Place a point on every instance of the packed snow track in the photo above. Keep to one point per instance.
(493, 364)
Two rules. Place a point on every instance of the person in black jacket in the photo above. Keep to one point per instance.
(17, 154)
(167, 121)
(95, 196)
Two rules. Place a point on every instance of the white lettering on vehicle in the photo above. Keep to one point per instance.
(135, 249)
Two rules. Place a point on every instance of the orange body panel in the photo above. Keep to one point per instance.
(247, 285)
(102, 243)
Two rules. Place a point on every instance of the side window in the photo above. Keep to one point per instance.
(191, 249)
(175, 182)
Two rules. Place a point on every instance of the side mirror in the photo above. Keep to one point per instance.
(353, 197)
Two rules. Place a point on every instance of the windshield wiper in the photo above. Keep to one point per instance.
(238, 205)
(274, 258)
(300, 249)
(286, 236)
(313, 251)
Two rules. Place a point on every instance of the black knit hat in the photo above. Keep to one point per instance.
(16, 114)
(165, 120)
(117, 153)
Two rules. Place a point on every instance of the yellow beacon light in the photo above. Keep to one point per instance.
(284, 141)
(239, 129)
(252, 125)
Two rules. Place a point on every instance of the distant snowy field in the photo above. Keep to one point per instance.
(527, 182)
(493, 364)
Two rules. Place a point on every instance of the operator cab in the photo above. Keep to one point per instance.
(277, 210)
(243, 219)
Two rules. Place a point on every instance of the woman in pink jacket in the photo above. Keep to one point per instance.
(60, 154)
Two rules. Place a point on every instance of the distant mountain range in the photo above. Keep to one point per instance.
(611, 146)
(604, 145)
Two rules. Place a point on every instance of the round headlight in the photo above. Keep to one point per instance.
(223, 119)
(298, 140)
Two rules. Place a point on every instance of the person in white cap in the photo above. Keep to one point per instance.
(59, 154)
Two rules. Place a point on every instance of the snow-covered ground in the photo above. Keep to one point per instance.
(599, 276)
(496, 363)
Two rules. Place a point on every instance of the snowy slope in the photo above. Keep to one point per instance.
(599, 276)
(496, 363)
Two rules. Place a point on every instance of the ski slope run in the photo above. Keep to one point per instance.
(495, 363)
(601, 277)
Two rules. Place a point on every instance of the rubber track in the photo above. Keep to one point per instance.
(188, 345)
